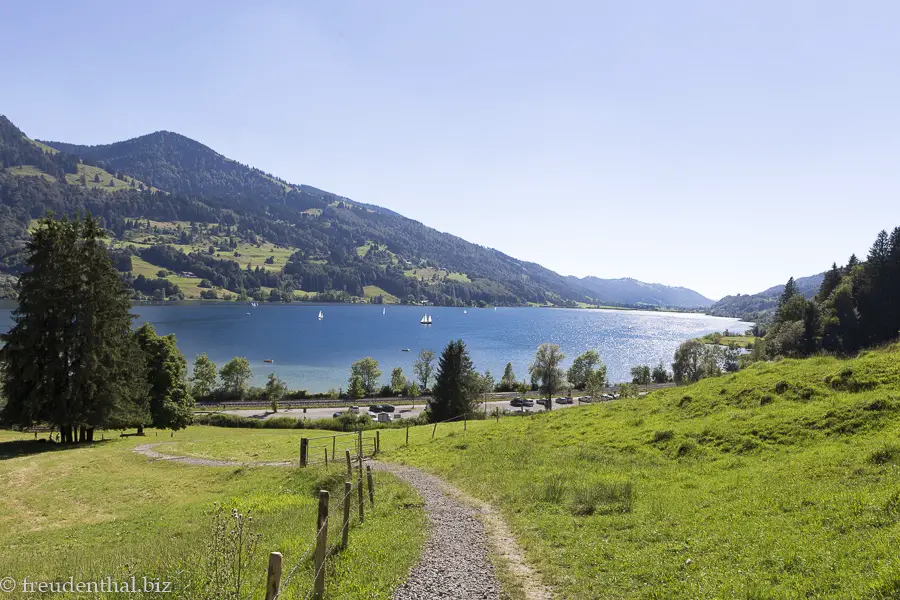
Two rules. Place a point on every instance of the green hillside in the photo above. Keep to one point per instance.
(779, 481)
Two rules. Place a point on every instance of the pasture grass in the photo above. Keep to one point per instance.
(777, 482)
(371, 291)
(103, 510)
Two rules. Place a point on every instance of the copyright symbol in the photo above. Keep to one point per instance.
(7, 584)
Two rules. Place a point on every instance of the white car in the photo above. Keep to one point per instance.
(353, 409)
(384, 418)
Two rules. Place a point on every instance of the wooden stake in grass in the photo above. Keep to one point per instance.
(321, 545)
(273, 581)
(362, 504)
(371, 486)
(407, 435)
(349, 466)
(377, 442)
(304, 449)
(345, 531)
(333, 446)
(326, 457)
(433, 431)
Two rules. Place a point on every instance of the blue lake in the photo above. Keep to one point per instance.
(316, 355)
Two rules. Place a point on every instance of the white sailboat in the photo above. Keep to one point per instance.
(426, 319)
(465, 312)
(321, 316)
(384, 311)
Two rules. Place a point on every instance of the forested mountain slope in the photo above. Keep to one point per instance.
(175, 206)
(756, 307)
(634, 292)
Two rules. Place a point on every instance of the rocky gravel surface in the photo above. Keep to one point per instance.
(454, 562)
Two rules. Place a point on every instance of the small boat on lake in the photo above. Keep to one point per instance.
(384, 311)
(321, 316)
(426, 319)
(406, 350)
(268, 361)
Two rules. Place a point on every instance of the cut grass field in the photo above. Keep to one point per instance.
(428, 273)
(103, 510)
(371, 291)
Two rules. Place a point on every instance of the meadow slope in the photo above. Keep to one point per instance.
(780, 481)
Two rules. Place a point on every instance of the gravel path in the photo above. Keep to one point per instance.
(454, 562)
(148, 451)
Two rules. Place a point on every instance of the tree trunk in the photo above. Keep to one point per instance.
(140, 430)
(82, 434)
(90, 434)
(65, 434)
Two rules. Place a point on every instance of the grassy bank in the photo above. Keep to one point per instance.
(741, 341)
(776, 482)
(103, 510)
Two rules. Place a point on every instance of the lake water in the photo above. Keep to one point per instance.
(316, 355)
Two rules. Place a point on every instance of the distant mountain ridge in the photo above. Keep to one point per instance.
(173, 205)
(755, 307)
(633, 292)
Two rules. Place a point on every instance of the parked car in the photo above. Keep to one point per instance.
(375, 408)
(527, 402)
(543, 402)
(386, 408)
(353, 409)
(337, 415)
(517, 402)
(564, 401)
(586, 399)
(384, 418)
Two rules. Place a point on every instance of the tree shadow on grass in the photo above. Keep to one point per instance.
(18, 448)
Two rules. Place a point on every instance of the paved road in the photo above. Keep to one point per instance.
(405, 411)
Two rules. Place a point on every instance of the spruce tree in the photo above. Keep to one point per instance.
(70, 359)
(831, 280)
(170, 402)
(452, 394)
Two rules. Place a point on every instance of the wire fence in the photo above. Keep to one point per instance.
(330, 513)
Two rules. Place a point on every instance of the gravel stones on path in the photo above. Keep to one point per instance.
(454, 562)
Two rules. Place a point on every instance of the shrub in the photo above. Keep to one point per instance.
(663, 436)
(766, 399)
(887, 454)
(781, 387)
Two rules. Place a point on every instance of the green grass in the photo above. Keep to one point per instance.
(105, 177)
(29, 171)
(371, 291)
(103, 510)
(742, 341)
(190, 286)
(428, 273)
(780, 481)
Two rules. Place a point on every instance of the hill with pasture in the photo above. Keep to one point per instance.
(637, 293)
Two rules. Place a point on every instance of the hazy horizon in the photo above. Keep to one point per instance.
(721, 148)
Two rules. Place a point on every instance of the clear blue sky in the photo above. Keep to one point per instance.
(723, 146)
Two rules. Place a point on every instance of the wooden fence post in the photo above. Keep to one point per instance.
(273, 581)
(304, 448)
(377, 441)
(333, 446)
(321, 546)
(345, 532)
(362, 504)
(433, 431)
(465, 422)
(349, 466)
(407, 435)
(359, 442)
(371, 486)
(326, 457)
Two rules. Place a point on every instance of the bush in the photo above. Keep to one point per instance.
(888, 454)
(663, 436)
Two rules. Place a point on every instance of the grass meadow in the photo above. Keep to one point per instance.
(103, 510)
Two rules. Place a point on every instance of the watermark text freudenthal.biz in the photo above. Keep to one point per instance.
(131, 585)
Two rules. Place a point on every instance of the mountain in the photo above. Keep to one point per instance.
(186, 221)
(633, 292)
(758, 307)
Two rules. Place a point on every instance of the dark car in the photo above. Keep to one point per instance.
(375, 408)
(337, 415)
(564, 401)
(386, 408)
(517, 402)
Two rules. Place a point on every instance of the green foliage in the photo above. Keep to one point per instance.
(170, 402)
(641, 375)
(582, 367)
(398, 380)
(275, 390)
(424, 367)
(695, 360)
(545, 370)
(357, 389)
(235, 374)
(366, 369)
(203, 378)
(453, 392)
(508, 382)
(660, 374)
(70, 359)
